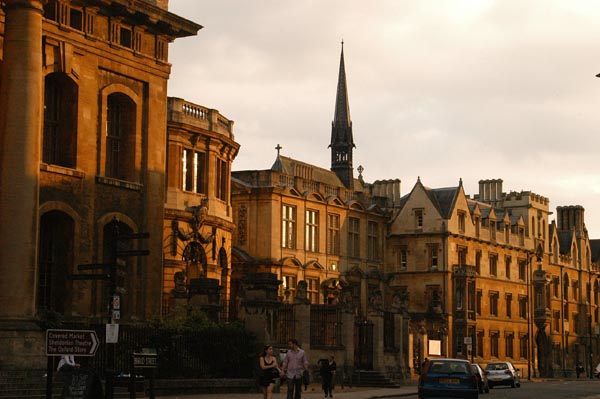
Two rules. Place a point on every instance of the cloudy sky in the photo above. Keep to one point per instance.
(471, 89)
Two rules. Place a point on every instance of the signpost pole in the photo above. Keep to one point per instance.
(132, 377)
(49, 376)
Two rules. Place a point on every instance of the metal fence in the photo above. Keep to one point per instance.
(325, 326)
(220, 351)
(284, 324)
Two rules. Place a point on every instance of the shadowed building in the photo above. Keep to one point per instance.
(83, 126)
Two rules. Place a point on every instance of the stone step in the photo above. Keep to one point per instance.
(370, 378)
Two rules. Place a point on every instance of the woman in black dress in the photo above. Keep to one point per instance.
(270, 371)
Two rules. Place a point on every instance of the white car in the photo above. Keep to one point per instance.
(503, 373)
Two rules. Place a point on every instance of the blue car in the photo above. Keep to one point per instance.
(448, 378)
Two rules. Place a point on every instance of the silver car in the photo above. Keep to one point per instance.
(503, 373)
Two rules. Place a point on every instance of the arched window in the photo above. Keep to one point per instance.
(120, 137)
(60, 120)
(55, 261)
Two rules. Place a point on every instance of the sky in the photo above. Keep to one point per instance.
(438, 89)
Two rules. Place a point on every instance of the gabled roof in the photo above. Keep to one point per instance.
(278, 165)
(287, 166)
(443, 199)
(565, 240)
(516, 220)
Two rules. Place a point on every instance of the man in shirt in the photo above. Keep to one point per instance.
(294, 364)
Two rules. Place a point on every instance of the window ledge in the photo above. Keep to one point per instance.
(119, 183)
(62, 170)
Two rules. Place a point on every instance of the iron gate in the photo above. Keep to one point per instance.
(363, 344)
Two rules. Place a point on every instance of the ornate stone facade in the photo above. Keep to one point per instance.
(83, 127)
(198, 223)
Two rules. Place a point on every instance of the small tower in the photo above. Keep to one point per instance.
(342, 142)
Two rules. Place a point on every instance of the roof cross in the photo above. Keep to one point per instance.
(278, 148)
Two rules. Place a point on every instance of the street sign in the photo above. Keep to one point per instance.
(92, 266)
(468, 340)
(112, 333)
(88, 277)
(144, 360)
(71, 342)
(134, 236)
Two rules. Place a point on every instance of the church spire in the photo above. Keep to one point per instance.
(342, 141)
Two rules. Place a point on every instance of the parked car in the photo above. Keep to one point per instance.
(482, 381)
(503, 373)
(448, 378)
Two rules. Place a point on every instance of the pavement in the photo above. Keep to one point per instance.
(314, 391)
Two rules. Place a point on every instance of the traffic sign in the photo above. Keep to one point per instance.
(89, 277)
(144, 360)
(134, 236)
(71, 342)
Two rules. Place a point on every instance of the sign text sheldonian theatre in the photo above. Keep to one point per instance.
(71, 342)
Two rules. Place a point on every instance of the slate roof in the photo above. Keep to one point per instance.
(287, 165)
(443, 199)
(595, 246)
(565, 239)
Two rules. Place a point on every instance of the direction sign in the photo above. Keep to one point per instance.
(88, 277)
(134, 252)
(71, 342)
(145, 360)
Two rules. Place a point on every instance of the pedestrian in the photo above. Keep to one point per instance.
(270, 371)
(327, 371)
(67, 364)
(294, 364)
(578, 369)
(424, 364)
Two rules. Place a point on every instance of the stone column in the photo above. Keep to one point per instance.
(302, 319)
(21, 115)
(347, 364)
(378, 348)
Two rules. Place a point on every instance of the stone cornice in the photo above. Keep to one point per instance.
(155, 17)
(34, 4)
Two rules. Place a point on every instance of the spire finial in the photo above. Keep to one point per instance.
(278, 148)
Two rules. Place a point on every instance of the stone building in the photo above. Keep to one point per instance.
(198, 214)
(83, 125)
(489, 277)
(322, 234)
